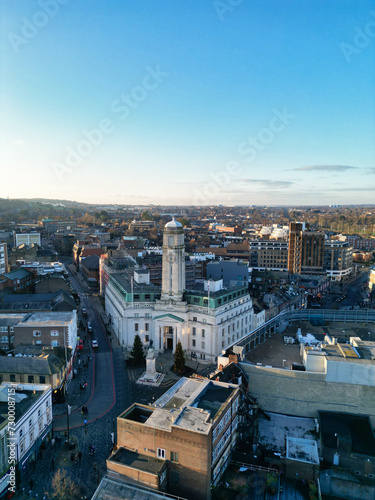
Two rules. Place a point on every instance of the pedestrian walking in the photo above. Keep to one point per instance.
(79, 456)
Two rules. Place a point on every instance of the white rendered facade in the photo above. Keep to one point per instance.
(205, 322)
(34, 423)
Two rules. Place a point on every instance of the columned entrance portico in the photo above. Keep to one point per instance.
(168, 329)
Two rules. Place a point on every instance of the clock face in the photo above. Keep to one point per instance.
(171, 258)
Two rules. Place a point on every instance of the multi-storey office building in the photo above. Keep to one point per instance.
(306, 249)
(338, 259)
(269, 254)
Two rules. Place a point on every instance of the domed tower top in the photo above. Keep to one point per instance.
(173, 224)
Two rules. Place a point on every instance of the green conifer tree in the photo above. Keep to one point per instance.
(137, 351)
(179, 359)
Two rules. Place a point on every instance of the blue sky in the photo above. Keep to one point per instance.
(188, 102)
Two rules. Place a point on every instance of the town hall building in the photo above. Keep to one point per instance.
(206, 319)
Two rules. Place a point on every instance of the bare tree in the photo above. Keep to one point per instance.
(62, 488)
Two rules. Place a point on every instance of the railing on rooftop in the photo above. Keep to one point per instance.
(330, 315)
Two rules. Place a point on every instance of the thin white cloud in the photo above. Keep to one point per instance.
(328, 168)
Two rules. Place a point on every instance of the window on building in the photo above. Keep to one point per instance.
(223, 343)
(4, 329)
(42, 379)
(203, 333)
(37, 333)
(12, 377)
(175, 477)
(30, 379)
(55, 343)
(204, 321)
(203, 345)
(30, 422)
(136, 315)
(193, 342)
(194, 330)
(4, 338)
(174, 456)
(195, 318)
(147, 327)
(161, 453)
(21, 433)
(136, 327)
(54, 333)
(147, 338)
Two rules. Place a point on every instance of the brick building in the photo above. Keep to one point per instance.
(45, 328)
(189, 432)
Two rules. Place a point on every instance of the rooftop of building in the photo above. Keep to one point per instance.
(361, 351)
(47, 318)
(135, 460)
(355, 430)
(191, 404)
(11, 319)
(91, 262)
(302, 450)
(37, 301)
(200, 291)
(18, 274)
(47, 364)
(125, 283)
(24, 400)
(115, 489)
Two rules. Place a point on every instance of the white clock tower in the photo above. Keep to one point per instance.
(173, 279)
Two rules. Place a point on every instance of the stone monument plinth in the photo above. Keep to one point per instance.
(151, 376)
